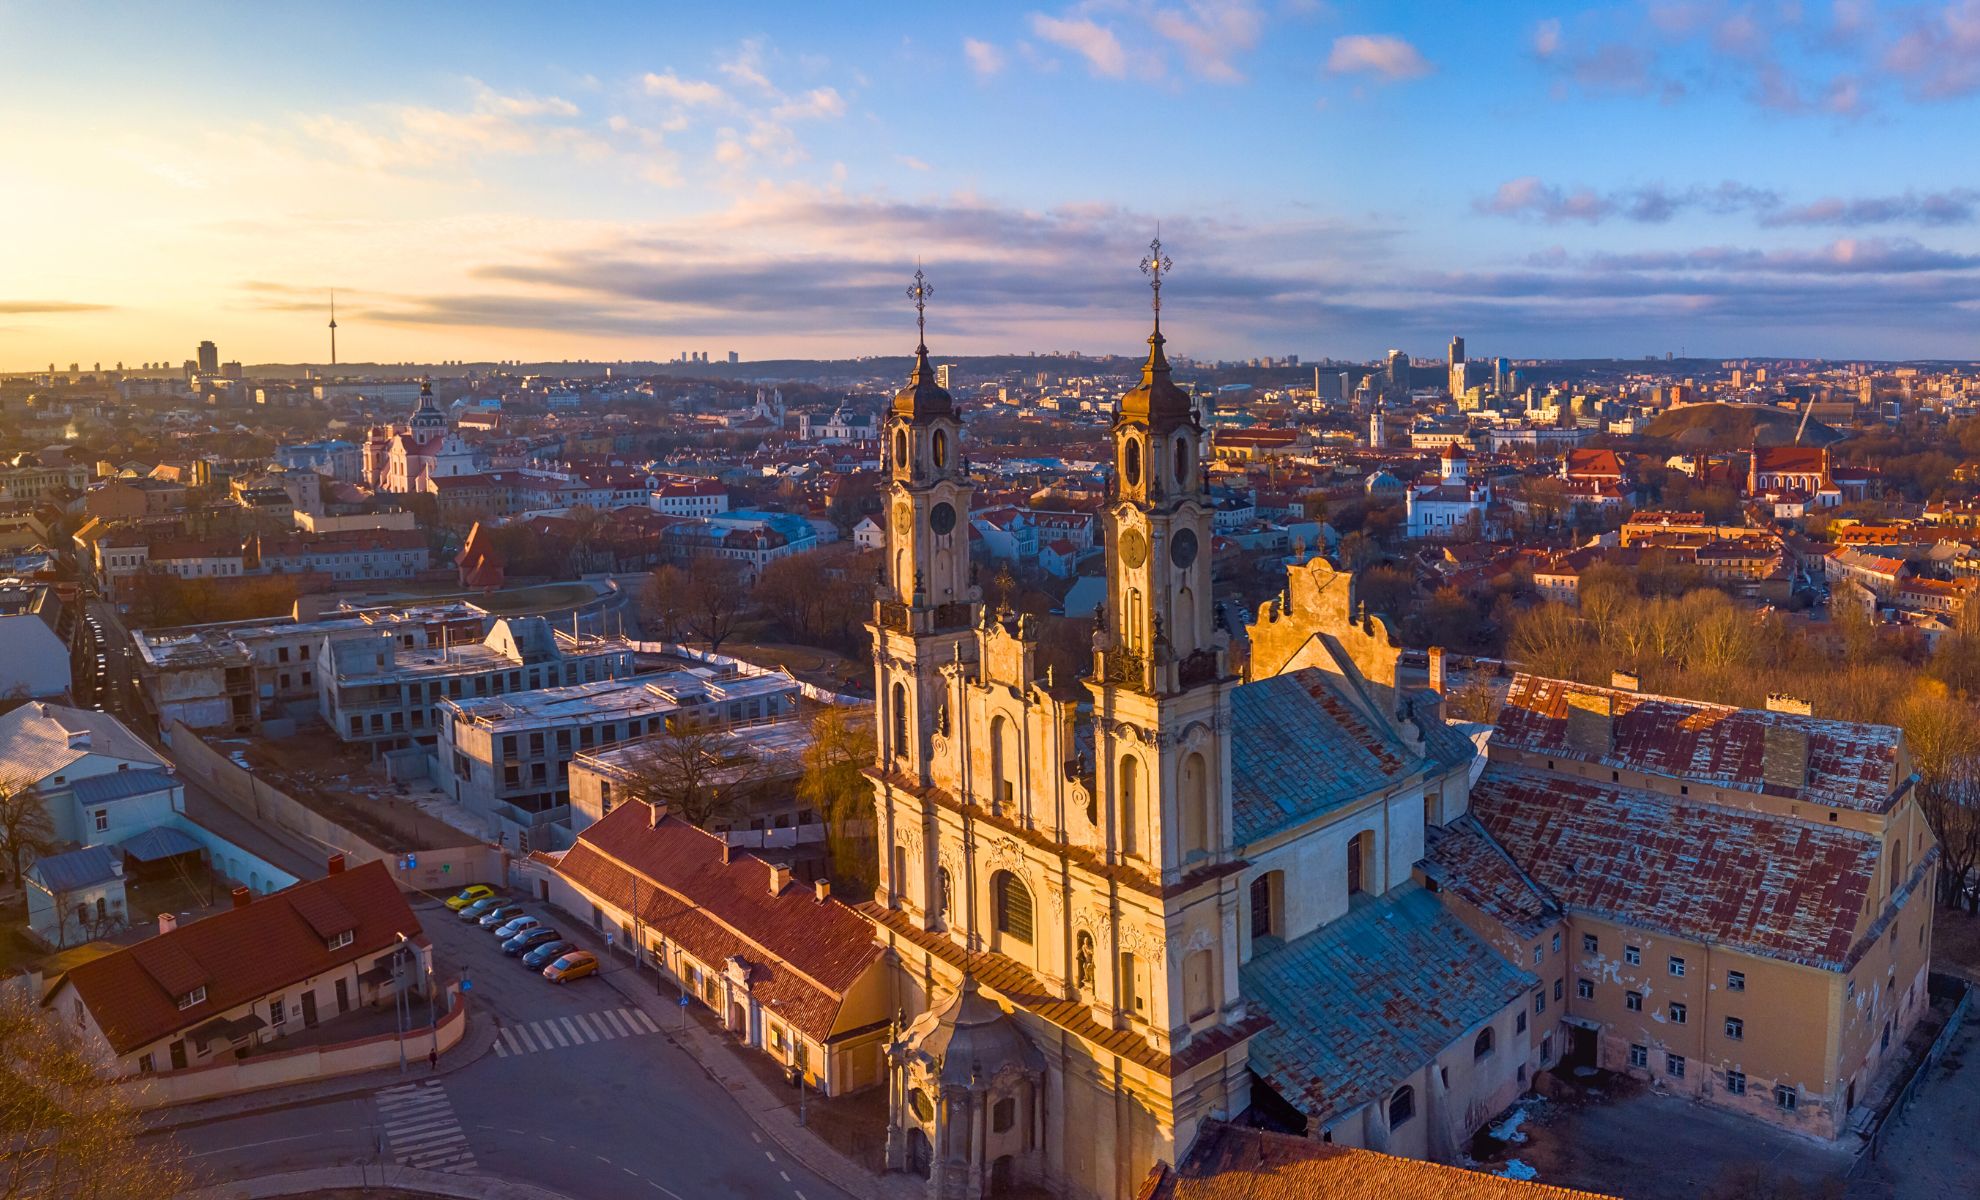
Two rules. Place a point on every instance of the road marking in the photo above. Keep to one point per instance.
(578, 1029)
(770, 1156)
(423, 1130)
(756, 1137)
(299, 1137)
(784, 1176)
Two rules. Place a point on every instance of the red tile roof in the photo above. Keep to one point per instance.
(1230, 1163)
(1767, 885)
(1851, 765)
(803, 955)
(242, 954)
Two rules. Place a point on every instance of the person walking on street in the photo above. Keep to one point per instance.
(433, 1058)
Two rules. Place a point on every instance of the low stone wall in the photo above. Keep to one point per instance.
(283, 1067)
(240, 790)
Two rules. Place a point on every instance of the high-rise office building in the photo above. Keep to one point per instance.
(209, 359)
(945, 375)
(1458, 383)
(1398, 374)
(734, 358)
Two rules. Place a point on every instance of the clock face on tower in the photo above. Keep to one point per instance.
(942, 518)
(1134, 548)
(904, 519)
(1182, 548)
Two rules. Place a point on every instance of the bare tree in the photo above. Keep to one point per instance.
(663, 603)
(704, 776)
(69, 1130)
(24, 823)
(713, 597)
(1945, 750)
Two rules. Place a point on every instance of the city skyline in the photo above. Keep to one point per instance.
(1334, 179)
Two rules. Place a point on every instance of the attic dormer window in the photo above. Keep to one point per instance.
(340, 941)
(196, 996)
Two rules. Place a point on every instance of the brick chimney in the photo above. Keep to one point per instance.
(780, 878)
(336, 864)
(725, 849)
(822, 888)
(656, 812)
(1784, 748)
(167, 922)
(242, 897)
(1437, 670)
(1591, 722)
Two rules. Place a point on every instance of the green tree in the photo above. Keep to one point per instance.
(834, 783)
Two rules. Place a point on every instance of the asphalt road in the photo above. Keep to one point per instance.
(584, 1094)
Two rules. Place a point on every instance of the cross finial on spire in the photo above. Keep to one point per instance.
(920, 293)
(1154, 266)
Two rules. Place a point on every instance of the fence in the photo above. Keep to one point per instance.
(1932, 1056)
(807, 690)
(282, 1067)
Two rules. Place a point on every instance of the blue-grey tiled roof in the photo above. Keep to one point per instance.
(1361, 1003)
(76, 869)
(1299, 750)
(162, 842)
(119, 785)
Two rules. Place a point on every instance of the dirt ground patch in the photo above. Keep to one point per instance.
(342, 783)
(1616, 1136)
(1956, 942)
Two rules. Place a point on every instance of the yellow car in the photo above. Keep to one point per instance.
(469, 895)
(575, 965)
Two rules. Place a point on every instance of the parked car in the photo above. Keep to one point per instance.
(538, 957)
(530, 937)
(469, 895)
(521, 924)
(574, 965)
(500, 915)
(480, 908)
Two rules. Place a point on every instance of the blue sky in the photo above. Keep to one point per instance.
(628, 181)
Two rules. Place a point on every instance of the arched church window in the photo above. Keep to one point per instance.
(1265, 892)
(1482, 1046)
(1003, 1115)
(1130, 792)
(900, 447)
(1197, 1000)
(1083, 962)
(1182, 462)
(1012, 903)
(1195, 807)
(900, 715)
(1003, 762)
(1402, 1106)
(1131, 462)
(938, 448)
(942, 894)
(1359, 852)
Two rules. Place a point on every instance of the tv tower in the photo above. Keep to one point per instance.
(333, 328)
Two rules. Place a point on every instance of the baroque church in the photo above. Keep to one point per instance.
(1171, 892)
(402, 458)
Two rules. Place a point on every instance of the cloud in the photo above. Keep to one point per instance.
(415, 136)
(984, 58)
(1531, 198)
(670, 86)
(50, 307)
(746, 67)
(911, 162)
(1383, 55)
(1547, 38)
(1845, 256)
(1211, 34)
(1938, 55)
(817, 104)
(1093, 42)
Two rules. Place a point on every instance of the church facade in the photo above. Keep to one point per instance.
(407, 457)
(1112, 904)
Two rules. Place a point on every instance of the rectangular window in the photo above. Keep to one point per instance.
(1735, 981)
(1519, 1021)
(1678, 1013)
(1674, 1065)
(1590, 944)
(1557, 990)
(1677, 965)
(278, 1011)
(1547, 1048)
(1633, 955)
(1557, 942)
(1633, 1001)
(1639, 1056)
(1736, 1082)
(1584, 989)
(341, 940)
(146, 1066)
(102, 817)
(196, 996)
(1786, 1098)
(1539, 1002)
(1537, 953)
(1736, 1029)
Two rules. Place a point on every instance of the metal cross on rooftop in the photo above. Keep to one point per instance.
(920, 293)
(1153, 266)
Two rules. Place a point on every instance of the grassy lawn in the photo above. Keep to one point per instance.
(541, 598)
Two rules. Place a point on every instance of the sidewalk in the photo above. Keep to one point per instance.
(478, 1040)
(774, 1113)
(346, 1179)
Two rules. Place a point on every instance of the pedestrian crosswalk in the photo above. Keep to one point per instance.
(420, 1125)
(556, 1033)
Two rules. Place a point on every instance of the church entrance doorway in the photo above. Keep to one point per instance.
(1580, 1048)
(1001, 1176)
(921, 1153)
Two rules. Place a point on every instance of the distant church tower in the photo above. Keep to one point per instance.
(1378, 435)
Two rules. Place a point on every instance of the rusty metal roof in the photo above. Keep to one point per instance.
(1366, 1000)
(1465, 862)
(1763, 884)
(1850, 765)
